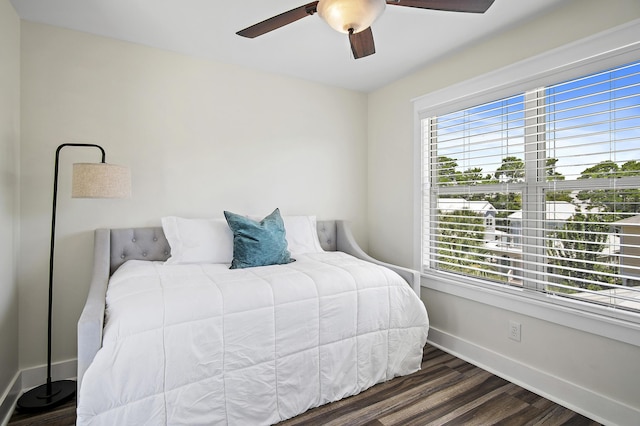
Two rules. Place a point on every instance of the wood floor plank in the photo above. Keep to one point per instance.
(446, 391)
(389, 396)
(454, 401)
(502, 406)
(558, 415)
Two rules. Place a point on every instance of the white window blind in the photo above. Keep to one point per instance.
(540, 190)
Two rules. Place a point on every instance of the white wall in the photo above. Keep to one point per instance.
(9, 191)
(200, 137)
(602, 367)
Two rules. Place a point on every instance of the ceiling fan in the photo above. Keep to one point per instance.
(354, 17)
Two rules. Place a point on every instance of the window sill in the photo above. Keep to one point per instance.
(620, 326)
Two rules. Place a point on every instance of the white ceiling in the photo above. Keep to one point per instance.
(406, 38)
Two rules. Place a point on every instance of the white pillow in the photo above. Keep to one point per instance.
(302, 234)
(198, 240)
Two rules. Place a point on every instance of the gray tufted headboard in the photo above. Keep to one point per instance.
(137, 243)
(151, 244)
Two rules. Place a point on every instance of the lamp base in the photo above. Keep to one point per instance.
(40, 399)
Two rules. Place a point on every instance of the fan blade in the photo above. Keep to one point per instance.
(362, 43)
(279, 20)
(471, 6)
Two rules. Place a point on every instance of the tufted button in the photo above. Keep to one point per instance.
(122, 256)
(155, 238)
(133, 240)
(144, 254)
(166, 253)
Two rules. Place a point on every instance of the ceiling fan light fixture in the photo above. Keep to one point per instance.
(345, 15)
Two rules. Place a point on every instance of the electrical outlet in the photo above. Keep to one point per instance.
(514, 330)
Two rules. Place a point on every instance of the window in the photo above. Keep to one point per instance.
(539, 191)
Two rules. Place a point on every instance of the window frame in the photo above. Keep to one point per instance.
(593, 54)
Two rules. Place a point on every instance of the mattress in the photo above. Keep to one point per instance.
(203, 344)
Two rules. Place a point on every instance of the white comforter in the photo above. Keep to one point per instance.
(202, 344)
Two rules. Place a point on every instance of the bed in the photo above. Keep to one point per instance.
(199, 343)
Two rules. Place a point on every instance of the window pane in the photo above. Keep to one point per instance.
(475, 236)
(594, 253)
(470, 146)
(593, 123)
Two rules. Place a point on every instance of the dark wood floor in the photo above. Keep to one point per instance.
(446, 391)
(65, 415)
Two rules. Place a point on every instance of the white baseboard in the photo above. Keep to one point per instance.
(30, 378)
(9, 398)
(584, 401)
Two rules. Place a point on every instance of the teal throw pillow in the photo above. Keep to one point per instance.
(258, 243)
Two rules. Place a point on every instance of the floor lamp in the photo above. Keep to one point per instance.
(90, 180)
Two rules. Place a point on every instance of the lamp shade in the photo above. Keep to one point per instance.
(344, 15)
(100, 180)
